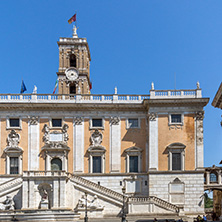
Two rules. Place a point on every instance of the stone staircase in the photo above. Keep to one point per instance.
(95, 189)
(117, 198)
(154, 200)
(10, 186)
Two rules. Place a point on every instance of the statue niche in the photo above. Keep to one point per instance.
(45, 192)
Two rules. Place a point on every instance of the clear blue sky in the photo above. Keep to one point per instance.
(132, 43)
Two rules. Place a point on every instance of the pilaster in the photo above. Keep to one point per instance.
(33, 143)
(199, 116)
(153, 141)
(115, 144)
(78, 145)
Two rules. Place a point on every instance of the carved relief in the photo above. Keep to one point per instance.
(33, 120)
(78, 120)
(13, 139)
(96, 138)
(91, 204)
(46, 134)
(175, 126)
(114, 120)
(65, 134)
(56, 139)
(199, 115)
(152, 116)
(7, 204)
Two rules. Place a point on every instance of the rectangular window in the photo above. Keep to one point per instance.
(176, 118)
(133, 164)
(14, 166)
(97, 123)
(14, 122)
(97, 164)
(133, 123)
(56, 122)
(176, 161)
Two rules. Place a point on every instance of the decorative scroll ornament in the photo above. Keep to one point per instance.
(65, 134)
(199, 115)
(46, 134)
(152, 116)
(33, 120)
(96, 138)
(78, 120)
(13, 139)
(56, 139)
(114, 120)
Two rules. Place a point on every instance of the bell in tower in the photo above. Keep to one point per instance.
(74, 65)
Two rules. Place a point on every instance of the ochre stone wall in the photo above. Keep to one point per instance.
(133, 137)
(166, 136)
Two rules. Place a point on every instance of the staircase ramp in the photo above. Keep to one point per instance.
(10, 186)
(95, 189)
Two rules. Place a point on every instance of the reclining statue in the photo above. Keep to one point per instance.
(7, 204)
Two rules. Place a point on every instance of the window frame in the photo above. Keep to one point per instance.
(176, 123)
(132, 127)
(97, 127)
(133, 151)
(176, 148)
(13, 152)
(8, 126)
(56, 127)
(96, 151)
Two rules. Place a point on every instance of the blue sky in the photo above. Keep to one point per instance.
(132, 44)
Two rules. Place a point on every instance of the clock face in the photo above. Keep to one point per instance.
(71, 74)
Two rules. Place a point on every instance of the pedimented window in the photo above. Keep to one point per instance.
(13, 154)
(133, 159)
(176, 156)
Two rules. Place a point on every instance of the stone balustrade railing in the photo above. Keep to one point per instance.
(155, 200)
(94, 186)
(166, 94)
(52, 98)
(10, 183)
(43, 173)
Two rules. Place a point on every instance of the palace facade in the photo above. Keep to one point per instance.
(58, 149)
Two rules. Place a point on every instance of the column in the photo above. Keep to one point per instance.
(199, 138)
(55, 193)
(7, 164)
(207, 178)
(115, 144)
(153, 141)
(31, 194)
(62, 193)
(33, 143)
(219, 176)
(25, 194)
(78, 145)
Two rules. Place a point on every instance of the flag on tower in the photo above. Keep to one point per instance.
(23, 87)
(72, 19)
(56, 84)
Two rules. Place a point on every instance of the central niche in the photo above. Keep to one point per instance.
(56, 164)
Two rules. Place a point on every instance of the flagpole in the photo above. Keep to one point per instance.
(76, 20)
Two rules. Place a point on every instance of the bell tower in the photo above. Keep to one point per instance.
(74, 65)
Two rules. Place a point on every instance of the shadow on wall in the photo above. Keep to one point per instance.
(18, 200)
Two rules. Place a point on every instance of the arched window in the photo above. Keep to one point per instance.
(56, 164)
(213, 178)
(72, 61)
